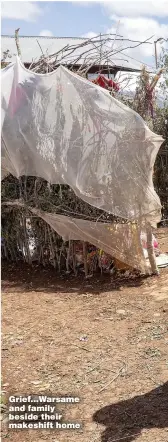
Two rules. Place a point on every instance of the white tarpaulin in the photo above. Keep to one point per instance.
(65, 129)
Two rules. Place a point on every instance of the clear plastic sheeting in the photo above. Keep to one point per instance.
(65, 129)
(122, 241)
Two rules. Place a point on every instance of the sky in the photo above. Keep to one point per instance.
(136, 19)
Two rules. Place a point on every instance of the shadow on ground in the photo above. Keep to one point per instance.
(22, 277)
(125, 420)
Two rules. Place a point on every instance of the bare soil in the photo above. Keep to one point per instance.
(120, 367)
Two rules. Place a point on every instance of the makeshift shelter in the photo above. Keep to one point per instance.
(67, 130)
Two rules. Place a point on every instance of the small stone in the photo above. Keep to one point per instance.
(121, 312)
(83, 338)
(36, 382)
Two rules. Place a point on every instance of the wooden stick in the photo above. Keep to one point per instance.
(68, 257)
(150, 249)
(85, 258)
(112, 380)
(17, 42)
(74, 257)
(51, 247)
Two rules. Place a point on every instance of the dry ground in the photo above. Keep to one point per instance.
(120, 371)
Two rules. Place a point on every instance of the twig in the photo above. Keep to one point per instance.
(81, 348)
(112, 380)
(40, 48)
(89, 52)
(151, 378)
(17, 42)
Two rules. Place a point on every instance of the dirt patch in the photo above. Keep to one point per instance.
(104, 340)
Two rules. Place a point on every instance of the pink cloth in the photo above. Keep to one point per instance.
(144, 242)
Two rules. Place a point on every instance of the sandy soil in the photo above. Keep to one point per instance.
(119, 370)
